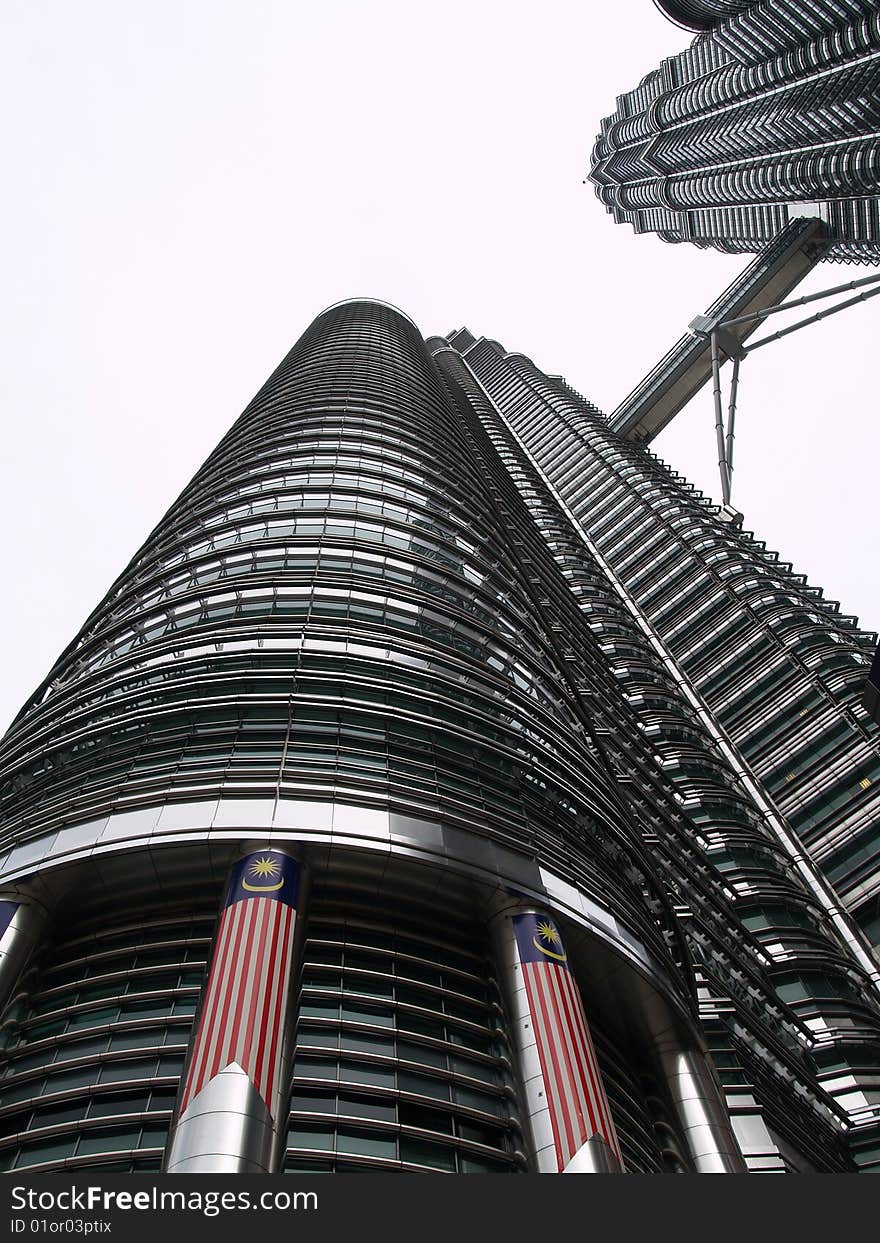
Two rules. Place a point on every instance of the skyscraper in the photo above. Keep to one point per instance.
(769, 115)
(776, 666)
(376, 818)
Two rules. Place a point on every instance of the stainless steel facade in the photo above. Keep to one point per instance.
(770, 114)
(373, 634)
(747, 684)
(779, 670)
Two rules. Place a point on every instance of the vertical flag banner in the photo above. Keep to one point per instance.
(242, 1017)
(575, 1094)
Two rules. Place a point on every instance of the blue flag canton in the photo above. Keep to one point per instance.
(538, 939)
(264, 874)
(7, 910)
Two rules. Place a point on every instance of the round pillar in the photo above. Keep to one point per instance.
(563, 1095)
(21, 925)
(699, 1103)
(234, 1096)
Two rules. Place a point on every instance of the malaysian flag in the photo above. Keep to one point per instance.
(575, 1095)
(242, 1015)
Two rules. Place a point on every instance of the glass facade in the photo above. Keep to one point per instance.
(771, 110)
(373, 633)
(780, 668)
(402, 1059)
(701, 613)
(94, 1044)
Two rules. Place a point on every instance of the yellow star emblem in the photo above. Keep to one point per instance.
(547, 932)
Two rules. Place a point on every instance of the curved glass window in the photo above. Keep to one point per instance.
(401, 1056)
(93, 1053)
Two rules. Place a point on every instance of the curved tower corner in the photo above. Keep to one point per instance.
(338, 657)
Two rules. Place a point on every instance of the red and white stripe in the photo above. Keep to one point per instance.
(575, 1095)
(242, 1018)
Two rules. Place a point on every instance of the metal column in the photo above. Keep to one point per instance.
(234, 1097)
(566, 1108)
(699, 1103)
(21, 925)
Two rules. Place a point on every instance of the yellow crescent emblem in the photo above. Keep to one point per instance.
(549, 953)
(262, 888)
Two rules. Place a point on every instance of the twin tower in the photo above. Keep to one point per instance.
(374, 821)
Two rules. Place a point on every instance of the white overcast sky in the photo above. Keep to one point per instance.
(188, 183)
